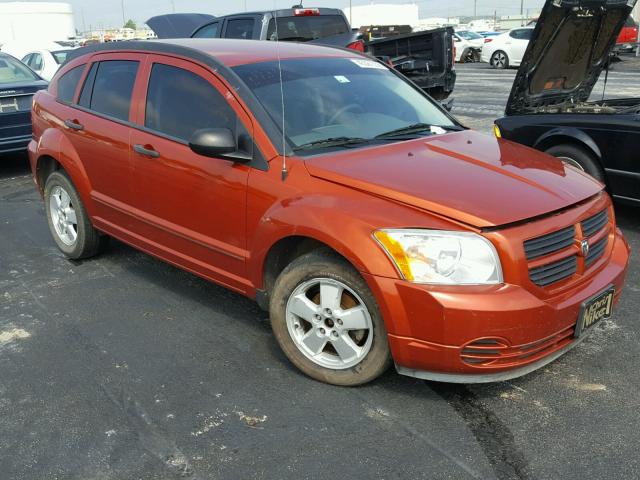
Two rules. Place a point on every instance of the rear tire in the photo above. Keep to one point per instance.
(327, 321)
(68, 221)
(578, 157)
(500, 60)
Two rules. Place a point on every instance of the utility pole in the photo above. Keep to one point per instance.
(84, 25)
(475, 9)
(124, 20)
(350, 13)
(522, 13)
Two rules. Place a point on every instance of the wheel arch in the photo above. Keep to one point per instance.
(568, 135)
(56, 152)
(284, 251)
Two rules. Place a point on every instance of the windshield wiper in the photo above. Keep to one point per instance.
(416, 128)
(332, 142)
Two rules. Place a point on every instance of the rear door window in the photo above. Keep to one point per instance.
(113, 88)
(239, 28)
(179, 102)
(521, 34)
(208, 31)
(303, 29)
(68, 83)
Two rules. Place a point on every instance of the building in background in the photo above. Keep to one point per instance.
(36, 22)
(382, 14)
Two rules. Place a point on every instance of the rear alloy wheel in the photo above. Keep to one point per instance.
(68, 221)
(579, 158)
(327, 321)
(499, 60)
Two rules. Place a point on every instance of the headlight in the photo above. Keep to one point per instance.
(440, 257)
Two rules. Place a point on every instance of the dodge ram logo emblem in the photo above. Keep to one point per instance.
(584, 248)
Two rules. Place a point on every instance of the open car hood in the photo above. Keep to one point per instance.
(177, 25)
(568, 50)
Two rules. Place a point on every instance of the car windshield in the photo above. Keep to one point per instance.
(304, 29)
(342, 102)
(12, 71)
(467, 35)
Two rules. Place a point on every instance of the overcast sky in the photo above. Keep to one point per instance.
(108, 13)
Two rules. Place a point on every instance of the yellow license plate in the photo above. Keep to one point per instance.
(595, 309)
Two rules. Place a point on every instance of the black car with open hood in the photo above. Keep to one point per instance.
(549, 107)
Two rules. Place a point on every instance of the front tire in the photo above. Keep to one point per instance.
(68, 220)
(327, 321)
(500, 60)
(579, 158)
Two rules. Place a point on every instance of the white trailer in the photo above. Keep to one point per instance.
(35, 22)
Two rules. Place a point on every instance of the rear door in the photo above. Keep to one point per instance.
(518, 41)
(98, 126)
(191, 207)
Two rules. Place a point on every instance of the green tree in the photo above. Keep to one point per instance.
(130, 24)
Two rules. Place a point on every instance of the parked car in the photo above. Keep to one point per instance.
(627, 40)
(427, 58)
(324, 26)
(17, 86)
(367, 220)
(468, 46)
(45, 62)
(549, 107)
(506, 50)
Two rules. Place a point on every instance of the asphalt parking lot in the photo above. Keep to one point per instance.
(123, 367)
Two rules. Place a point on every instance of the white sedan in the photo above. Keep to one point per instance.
(506, 50)
(45, 62)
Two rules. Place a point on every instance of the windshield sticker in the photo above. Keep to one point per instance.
(341, 79)
(363, 63)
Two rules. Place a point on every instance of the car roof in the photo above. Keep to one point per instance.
(230, 52)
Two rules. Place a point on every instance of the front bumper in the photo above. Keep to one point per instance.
(435, 332)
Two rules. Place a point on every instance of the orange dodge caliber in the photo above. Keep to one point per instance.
(371, 225)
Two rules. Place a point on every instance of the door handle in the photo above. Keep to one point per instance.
(73, 124)
(147, 152)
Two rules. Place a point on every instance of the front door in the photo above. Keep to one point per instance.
(191, 208)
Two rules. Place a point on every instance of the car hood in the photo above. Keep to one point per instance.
(177, 25)
(569, 48)
(466, 176)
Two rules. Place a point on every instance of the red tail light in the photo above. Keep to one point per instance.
(306, 12)
(358, 45)
(488, 40)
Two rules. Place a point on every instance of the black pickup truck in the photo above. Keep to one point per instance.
(427, 58)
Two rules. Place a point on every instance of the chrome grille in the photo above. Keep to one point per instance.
(553, 242)
(595, 223)
(554, 272)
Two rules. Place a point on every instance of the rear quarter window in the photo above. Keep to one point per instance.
(68, 83)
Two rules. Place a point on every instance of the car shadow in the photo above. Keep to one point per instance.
(14, 165)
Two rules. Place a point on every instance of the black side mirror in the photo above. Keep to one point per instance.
(217, 142)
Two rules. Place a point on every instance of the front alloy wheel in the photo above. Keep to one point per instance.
(327, 321)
